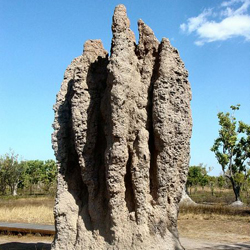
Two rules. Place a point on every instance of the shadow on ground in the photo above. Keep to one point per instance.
(239, 246)
(47, 246)
(25, 246)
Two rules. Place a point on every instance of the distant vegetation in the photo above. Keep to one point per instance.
(26, 177)
(203, 188)
(36, 177)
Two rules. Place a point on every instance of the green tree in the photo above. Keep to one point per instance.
(32, 173)
(204, 177)
(3, 176)
(246, 186)
(221, 181)
(48, 174)
(10, 172)
(211, 182)
(37, 172)
(232, 149)
(197, 175)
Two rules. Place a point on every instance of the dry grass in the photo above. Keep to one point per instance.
(27, 210)
(216, 210)
(208, 222)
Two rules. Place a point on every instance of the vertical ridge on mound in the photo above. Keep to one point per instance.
(172, 129)
(77, 130)
(121, 138)
(121, 93)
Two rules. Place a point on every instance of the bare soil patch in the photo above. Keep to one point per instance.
(220, 229)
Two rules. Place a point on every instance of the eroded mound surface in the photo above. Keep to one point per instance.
(122, 131)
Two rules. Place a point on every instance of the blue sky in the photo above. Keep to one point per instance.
(39, 39)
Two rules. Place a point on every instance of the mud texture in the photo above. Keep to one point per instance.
(122, 139)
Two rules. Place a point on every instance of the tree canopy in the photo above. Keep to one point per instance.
(197, 175)
(232, 149)
(25, 174)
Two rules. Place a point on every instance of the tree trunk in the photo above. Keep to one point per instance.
(31, 189)
(14, 190)
(236, 189)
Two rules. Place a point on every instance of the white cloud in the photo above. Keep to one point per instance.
(231, 2)
(195, 22)
(199, 43)
(234, 21)
(242, 9)
(229, 27)
(227, 12)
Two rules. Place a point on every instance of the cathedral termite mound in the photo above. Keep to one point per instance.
(122, 140)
